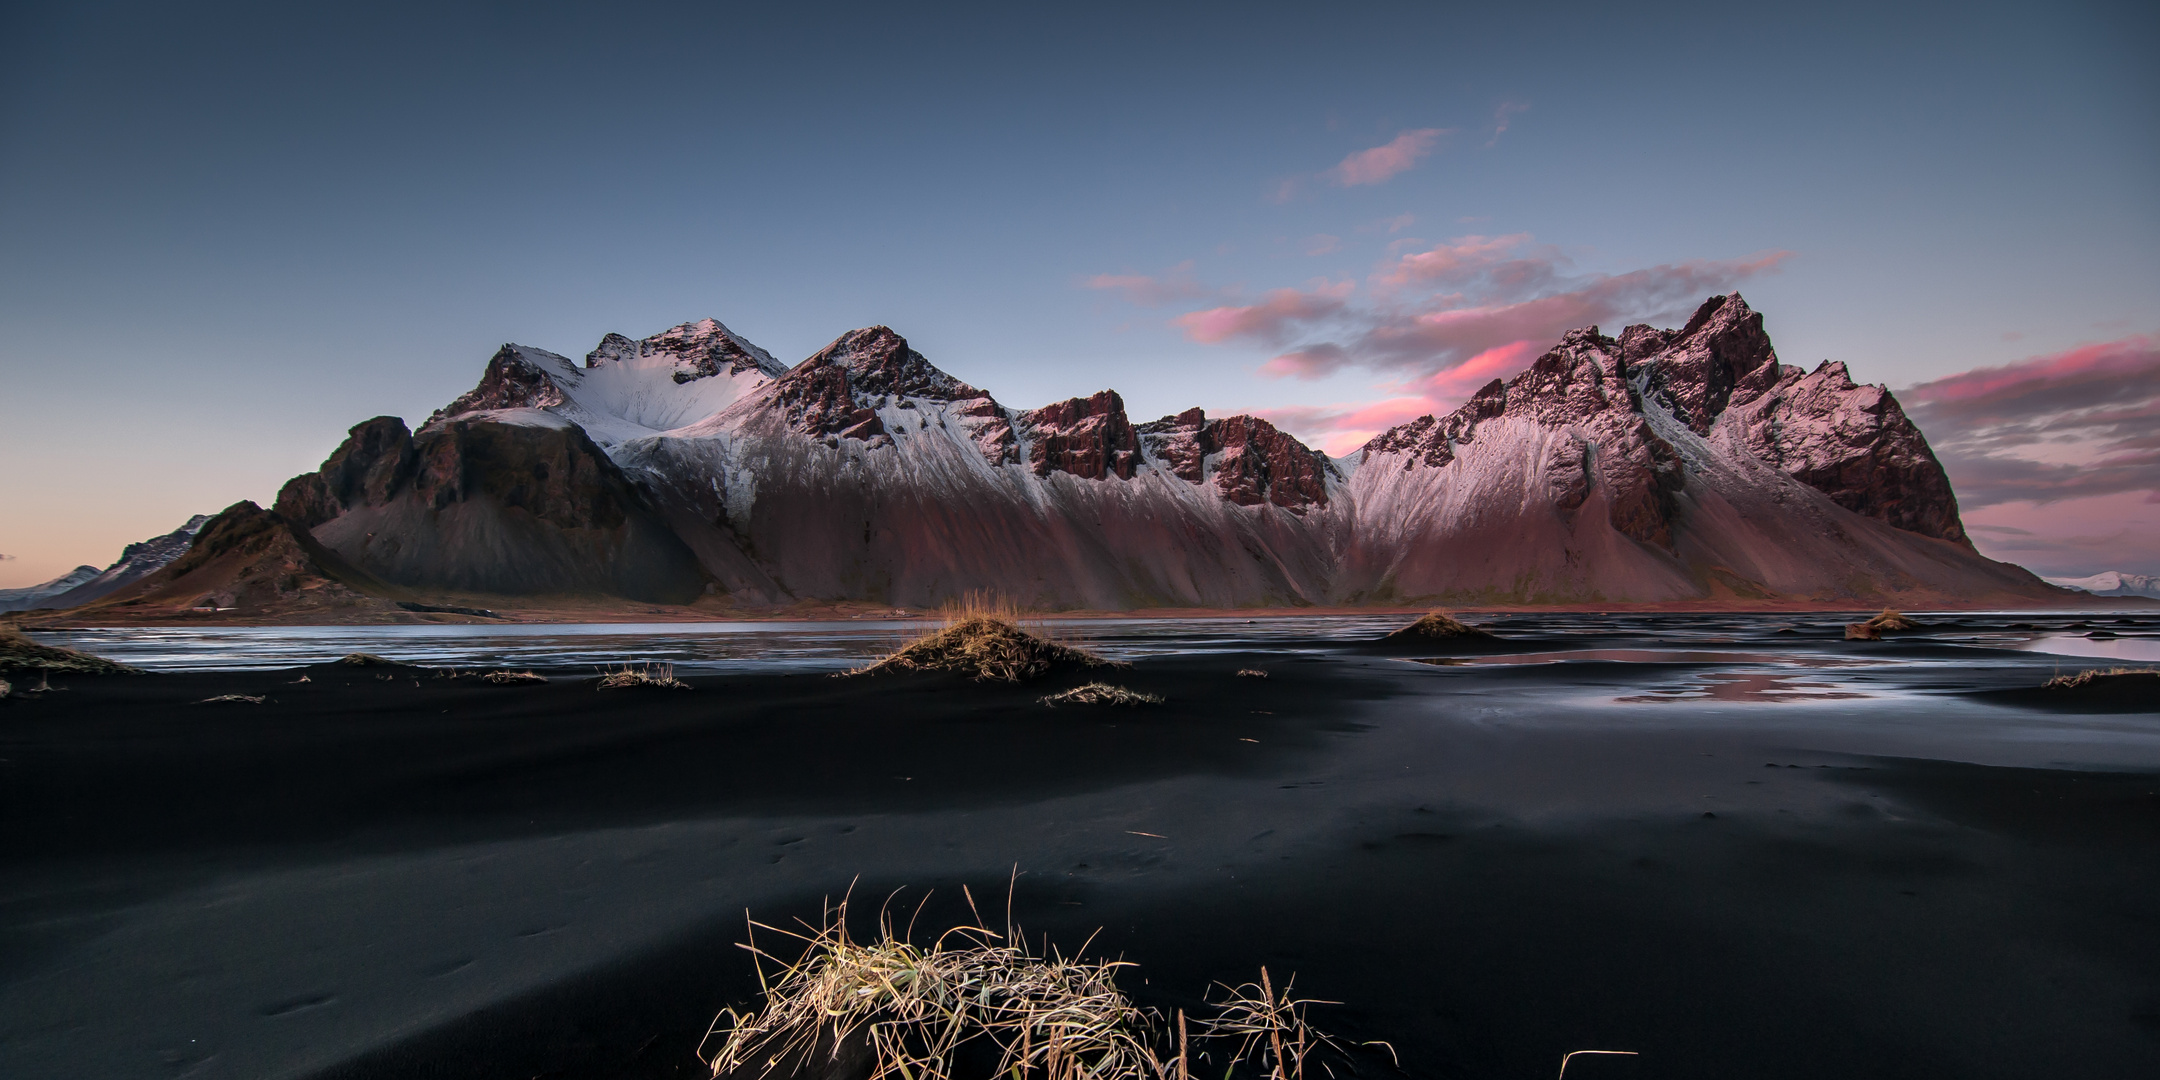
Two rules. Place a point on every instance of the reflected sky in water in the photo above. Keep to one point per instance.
(1810, 640)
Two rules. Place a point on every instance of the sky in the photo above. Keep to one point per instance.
(228, 232)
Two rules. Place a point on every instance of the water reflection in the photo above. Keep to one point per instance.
(1808, 640)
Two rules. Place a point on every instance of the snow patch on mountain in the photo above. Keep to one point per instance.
(2112, 583)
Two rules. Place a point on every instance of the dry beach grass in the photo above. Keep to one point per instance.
(1437, 624)
(634, 676)
(978, 1001)
(983, 639)
(1101, 693)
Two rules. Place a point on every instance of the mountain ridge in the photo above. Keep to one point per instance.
(1678, 465)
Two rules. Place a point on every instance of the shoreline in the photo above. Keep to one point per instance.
(377, 872)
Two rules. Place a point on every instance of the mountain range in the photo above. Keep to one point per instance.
(691, 468)
(86, 583)
(2113, 583)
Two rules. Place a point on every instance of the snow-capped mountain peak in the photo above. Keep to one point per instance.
(627, 389)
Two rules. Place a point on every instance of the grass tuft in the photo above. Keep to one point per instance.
(1890, 621)
(1437, 624)
(2102, 676)
(233, 699)
(367, 659)
(1100, 693)
(19, 653)
(975, 995)
(983, 640)
(627, 677)
(512, 678)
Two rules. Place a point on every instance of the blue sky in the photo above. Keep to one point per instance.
(228, 232)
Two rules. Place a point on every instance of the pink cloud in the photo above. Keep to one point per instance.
(1322, 244)
(1268, 320)
(1149, 291)
(2076, 424)
(1339, 429)
(1442, 331)
(1382, 163)
(1459, 259)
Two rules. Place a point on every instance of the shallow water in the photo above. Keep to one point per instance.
(1807, 640)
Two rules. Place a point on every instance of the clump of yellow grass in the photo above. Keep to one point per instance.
(1437, 624)
(913, 1009)
(983, 638)
(1891, 620)
(636, 676)
(1101, 693)
(2091, 676)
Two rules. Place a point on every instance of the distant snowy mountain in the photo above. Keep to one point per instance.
(1664, 465)
(137, 561)
(2113, 583)
(31, 596)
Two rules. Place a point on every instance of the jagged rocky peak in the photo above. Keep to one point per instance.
(879, 364)
(1720, 358)
(1088, 437)
(697, 350)
(1854, 443)
(1249, 460)
(839, 392)
(376, 459)
(512, 381)
(1717, 375)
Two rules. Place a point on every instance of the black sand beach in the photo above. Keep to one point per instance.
(1827, 859)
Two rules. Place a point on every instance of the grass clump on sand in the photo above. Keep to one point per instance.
(2099, 677)
(368, 659)
(628, 677)
(1890, 621)
(976, 1003)
(19, 653)
(1101, 693)
(1437, 624)
(513, 678)
(983, 641)
(233, 699)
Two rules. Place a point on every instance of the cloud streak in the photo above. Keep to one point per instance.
(1383, 163)
(2079, 423)
(1175, 285)
(1502, 117)
(1434, 310)
(1438, 322)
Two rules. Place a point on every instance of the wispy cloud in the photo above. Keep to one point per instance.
(1172, 286)
(7, 558)
(1270, 320)
(1322, 244)
(1503, 116)
(1437, 322)
(1382, 163)
(1435, 309)
(2073, 424)
(1343, 427)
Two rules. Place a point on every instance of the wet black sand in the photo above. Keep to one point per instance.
(1489, 865)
